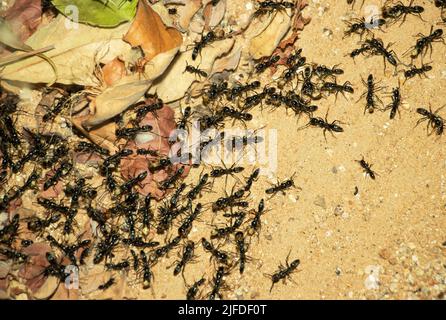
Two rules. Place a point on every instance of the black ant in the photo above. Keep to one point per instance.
(424, 43)
(115, 158)
(147, 273)
(396, 102)
(434, 120)
(242, 249)
(110, 282)
(105, 247)
(215, 91)
(162, 164)
(218, 283)
(57, 109)
(256, 223)
(360, 26)
(195, 191)
(166, 184)
(377, 47)
(36, 224)
(413, 71)
(182, 124)
(367, 168)
(293, 57)
(198, 46)
(252, 177)
(88, 147)
(222, 257)
(127, 186)
(308, 88)
(238, 90)
(370, 94)
(187, 256)
(193, 289)
(281, 187)
(333, 87)
(363, 49)
(233, 200)
(152, 108)
(186, 226)
(130, 133)
(62, 171)
(284, 271)
(262, 66)
(236, 115)
(164, 250)
(10, 231)
(257, 98)
(322, 71)
(172, 11)
(191, 69)
(289, 73)
(14, 255)
(325, 125)
(400, 10)
(269, 6)
(442, 5)
(225, 231)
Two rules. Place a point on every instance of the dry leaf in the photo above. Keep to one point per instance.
(297, 25)
(113, 71)
(149, 32)
(47, 289)
(266, 42)
(126, 92)
(113, 101)
(214, 14)
(229, 61)
(102, 136)
(187, 12)
(77, 53)
(24, 17)
(173, 85)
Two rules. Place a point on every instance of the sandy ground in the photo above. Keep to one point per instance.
(385, 242)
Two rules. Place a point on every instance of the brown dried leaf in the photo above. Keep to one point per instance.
(24, 17)
(176, 82)
(298, 25)
(214, 14)
(187, 12)
(113, 71)
(229, 61)
(266, 42)
(149, 32)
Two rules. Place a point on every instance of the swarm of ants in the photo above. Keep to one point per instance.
(134, 232)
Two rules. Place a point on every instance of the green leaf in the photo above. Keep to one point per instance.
(99, 13)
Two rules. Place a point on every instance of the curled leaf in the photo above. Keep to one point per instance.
(214, 14)
(77, 53)
(266, 42)
(113, 71)
(150, 33)
(173, 85)
(229, 61)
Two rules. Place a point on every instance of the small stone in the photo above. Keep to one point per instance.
(338, 271)
(334, 170)
(320, 202)
(254, 294)
(268, 237)
(338, 210)
(371, 282)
